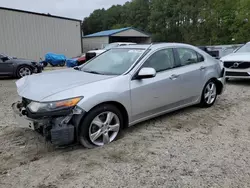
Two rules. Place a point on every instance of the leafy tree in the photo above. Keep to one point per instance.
(199, 22)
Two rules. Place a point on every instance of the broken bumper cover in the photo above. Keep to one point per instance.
(22, 120)
(60, 130)
(222, 80)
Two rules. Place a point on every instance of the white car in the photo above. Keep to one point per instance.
(237, 64)
(93, 53)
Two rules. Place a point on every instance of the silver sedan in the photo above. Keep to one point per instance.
(91, 104)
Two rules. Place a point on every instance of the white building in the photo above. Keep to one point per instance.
(101, 39)
(32, 35)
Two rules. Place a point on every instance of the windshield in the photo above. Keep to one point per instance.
(245, 48)
(113, 62)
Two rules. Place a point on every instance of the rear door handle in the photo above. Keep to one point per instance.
(174, 76)
(202, 68)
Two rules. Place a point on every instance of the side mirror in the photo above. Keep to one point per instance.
(5, 59)
(146, 72)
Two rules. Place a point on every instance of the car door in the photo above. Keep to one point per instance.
(152, 96)
(191, 71)
(6, 67)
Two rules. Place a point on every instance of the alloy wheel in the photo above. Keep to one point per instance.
(104, 128)
(210, 93)
(24, 71)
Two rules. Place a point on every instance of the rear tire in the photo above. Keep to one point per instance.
(62, 64)
(95, 129)
(209, 94)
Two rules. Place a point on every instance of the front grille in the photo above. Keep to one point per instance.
(90, 55)
(237, 74)
(26, 102)
(236, 65)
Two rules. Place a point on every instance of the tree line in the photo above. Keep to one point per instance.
(198, 22)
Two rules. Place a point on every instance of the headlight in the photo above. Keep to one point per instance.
(53, 106)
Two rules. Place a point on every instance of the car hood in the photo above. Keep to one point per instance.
(237, 57)
(40, 86)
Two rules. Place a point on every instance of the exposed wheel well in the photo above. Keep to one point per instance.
(218, 85)
(121, 108)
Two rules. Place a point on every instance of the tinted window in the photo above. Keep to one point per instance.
(161, 60)
(200, 57)
(188, 56)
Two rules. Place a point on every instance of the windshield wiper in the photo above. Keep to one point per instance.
(92, 72)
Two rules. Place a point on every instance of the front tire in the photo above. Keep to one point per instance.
(23, 71)
(209, 94)
(101, 126)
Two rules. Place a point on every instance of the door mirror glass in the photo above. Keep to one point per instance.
(146, 72)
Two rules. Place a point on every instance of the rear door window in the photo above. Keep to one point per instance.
(188, 56)
(161, 60)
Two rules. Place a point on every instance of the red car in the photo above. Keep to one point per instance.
(81, 59)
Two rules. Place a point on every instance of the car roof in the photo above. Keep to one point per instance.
(155, 45)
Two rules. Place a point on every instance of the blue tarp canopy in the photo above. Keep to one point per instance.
(55, 59)
(71, 62)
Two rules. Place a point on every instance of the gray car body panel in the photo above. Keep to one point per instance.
(142, 99)
(10, 67)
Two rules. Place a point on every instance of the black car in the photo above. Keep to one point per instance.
(16, 67)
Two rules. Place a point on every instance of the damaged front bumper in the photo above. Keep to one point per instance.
(59, 130)
(23, 121)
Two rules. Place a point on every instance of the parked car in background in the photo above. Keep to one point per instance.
(17, 67)
(227, 51)
(213, 53)
(90, 54)
(81, 59)
(237, 64)
(76, 61)
(121, 87)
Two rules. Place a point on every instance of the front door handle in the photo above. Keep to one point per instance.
(202, 68)
(174, 76)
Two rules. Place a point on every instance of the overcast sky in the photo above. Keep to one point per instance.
(67, 8)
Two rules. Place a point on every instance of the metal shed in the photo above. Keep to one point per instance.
(32, 35)
(100, 39)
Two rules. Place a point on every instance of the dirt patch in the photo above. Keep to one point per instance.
(192, 147)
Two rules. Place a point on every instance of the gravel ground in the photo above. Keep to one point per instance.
(192, 147)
